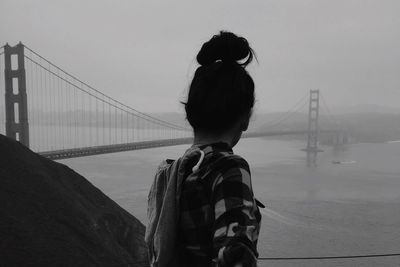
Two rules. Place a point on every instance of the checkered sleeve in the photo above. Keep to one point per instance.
(237, 218)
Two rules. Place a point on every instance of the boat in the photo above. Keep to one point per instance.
(342, 162)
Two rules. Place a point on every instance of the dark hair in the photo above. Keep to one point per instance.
(221, 90)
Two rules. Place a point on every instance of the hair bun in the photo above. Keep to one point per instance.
(227, 47)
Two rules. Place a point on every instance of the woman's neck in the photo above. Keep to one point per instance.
(203, 140)
(230, 138)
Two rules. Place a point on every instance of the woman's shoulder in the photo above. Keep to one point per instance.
(230, 161)
(228, 168)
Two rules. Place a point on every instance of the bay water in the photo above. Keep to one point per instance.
(348, 205)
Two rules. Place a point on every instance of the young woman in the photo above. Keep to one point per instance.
(207, 193)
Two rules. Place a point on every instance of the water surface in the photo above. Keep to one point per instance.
(330, 210)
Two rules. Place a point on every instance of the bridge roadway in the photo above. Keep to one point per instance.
(96, 150)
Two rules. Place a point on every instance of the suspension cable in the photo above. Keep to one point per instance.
(99, 92)
(160, 122)
(334, 117)
(287, 115)
(289, 112)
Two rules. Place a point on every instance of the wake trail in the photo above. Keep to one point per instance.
(290, 221)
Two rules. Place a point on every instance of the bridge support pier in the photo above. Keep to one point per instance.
(17, 126)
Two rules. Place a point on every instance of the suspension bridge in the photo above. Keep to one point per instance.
(58, 115)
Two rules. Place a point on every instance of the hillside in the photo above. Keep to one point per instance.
(52, 216)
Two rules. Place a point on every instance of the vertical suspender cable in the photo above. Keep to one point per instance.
(127, 127)
(141, 128)
(62, 117)
(71, 105)
(137, 128)
(61, 102)
(109, 124)
(82, 126)
(115, 125)
(67, 115)
(97, 121)
(52, 111)
(76, 117)
(40, 106)
(58, 104)
(133, 128)
(40, 88)
(56, 112)
(90, 120)
(45, 110)
(151, 130)
(53, 93)
(75, 112)
(103, 120)
(121, 126)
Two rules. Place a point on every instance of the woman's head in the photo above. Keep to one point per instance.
(221, 92)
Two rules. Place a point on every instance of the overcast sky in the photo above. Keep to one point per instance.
(143, 52)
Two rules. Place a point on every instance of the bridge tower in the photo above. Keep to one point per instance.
(17, 126)
(313, 129)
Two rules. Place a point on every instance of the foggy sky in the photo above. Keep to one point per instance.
(143, 52)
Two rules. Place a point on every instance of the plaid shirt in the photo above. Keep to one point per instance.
(219, 218)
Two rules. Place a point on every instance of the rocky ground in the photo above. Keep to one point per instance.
(52, 216)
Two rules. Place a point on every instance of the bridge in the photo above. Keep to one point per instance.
(58, 115)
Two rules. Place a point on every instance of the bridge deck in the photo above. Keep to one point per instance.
(96, 150)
